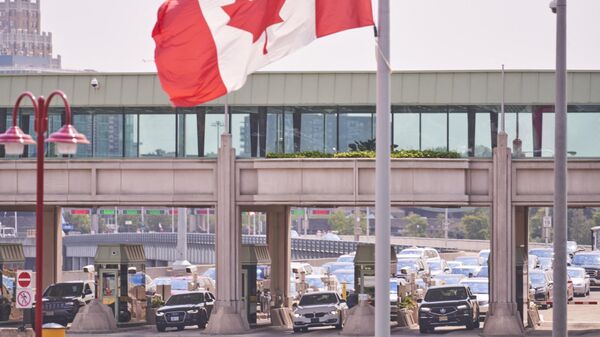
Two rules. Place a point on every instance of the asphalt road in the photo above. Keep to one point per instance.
(579, 316)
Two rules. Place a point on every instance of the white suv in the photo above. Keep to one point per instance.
(426, 254)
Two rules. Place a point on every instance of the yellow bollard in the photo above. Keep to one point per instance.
(53, 330)
(344, 290)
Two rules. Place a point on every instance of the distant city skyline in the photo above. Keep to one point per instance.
(115, 35)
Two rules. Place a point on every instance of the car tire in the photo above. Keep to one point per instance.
(202, 326)
(180, 327)
(304, 329)
(424, 328)
(161, 328)
(296, 330)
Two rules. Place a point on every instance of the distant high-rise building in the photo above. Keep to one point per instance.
(23, 46)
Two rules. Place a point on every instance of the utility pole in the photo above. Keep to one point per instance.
(305, 221)
(446, 224)
(357, 229)
(559, 314)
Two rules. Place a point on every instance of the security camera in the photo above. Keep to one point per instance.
(89, 268)
(94, 83)
(553, 6)
(191, 269)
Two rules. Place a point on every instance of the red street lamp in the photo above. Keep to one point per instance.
(66, 140)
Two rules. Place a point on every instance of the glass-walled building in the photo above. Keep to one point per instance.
(151, 128)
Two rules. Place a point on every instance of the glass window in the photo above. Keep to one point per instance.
(215, 125)
(157, 135)
(406, 129)
(583, 134)
(275, 138)
(108, 135)
(288, 132)
(83, 124)
(187, 132)
(434, 130)
(241, 134)
(54, 123)
(522, 114)
(483, 135)
(356, 126)
(458, 133)
(548, 135)
(131, 135)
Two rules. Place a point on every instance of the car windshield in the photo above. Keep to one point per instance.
(318, 299)
(413, 252)
(64, 290)
(407, 263)
(435, 265)
(587, 260)
(542, 252)
(446, 294)
(179, 284)
(469, 260)
(345, 258)
(576, 273)
(537, 279)
(314, 282)
(478, 287)
(186, 299)
(464, 271)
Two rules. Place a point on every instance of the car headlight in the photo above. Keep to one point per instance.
(160, 313)
(296, 315)
(424, 309)
(333, 312)
(462, 307)
(192, 311)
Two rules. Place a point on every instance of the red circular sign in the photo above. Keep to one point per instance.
(24, 279)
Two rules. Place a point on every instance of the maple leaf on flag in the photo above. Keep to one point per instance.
(254, 16)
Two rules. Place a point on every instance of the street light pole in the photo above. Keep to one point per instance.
(559, 317)
(66, 140)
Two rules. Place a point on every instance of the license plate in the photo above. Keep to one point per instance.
(49, 313)
(443, 318)
(314, 320)
(174, 318)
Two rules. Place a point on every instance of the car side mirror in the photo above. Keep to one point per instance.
(472, 297)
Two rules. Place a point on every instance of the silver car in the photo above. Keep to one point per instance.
(324, 308)
(581, 281)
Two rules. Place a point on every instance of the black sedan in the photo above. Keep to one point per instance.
(186, 309)
(448, 306)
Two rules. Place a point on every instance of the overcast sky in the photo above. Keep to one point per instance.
(115, 35)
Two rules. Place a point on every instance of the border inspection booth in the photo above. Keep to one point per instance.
(12, 258)
(115, 265)
(364, 268)
(252, 256)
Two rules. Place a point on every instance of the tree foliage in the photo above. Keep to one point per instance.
(416, 225)
(476, 225)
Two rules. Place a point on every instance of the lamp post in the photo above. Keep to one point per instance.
(66, 140)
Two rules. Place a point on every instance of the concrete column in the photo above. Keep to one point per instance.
(182, 246)
(502, 318)
(279, 242)
(229, 316)
(53, 254)
(95, 220)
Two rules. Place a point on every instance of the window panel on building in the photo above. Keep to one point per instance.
(157, 135)
(310, 129)
(108, 133)
(131, 135)
(434, 128)
(522, 114)
(483, 135)
(458, 132)
(215, 125)
(84, 125)
(406, 129)
(240, 130)
(275, 135)
(356, 126)
(583, 134)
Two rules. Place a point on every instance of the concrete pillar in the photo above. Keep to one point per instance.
(95, 221)
(53, 254)
(229, 316)
(182, 246)
(279, 242)
(502, 318)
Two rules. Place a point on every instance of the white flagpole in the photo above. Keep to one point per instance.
(382, 173)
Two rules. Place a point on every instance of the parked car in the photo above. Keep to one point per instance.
(185, 309)
(484, 255)
(448, 306)
(346, 258)
(467, 271)
(438, 266)
(481, 288)
(61, 301)
(315, 283)
(411, 264)
(454, 264)
(447, 279)
(590, 261)
(425, 253)
(542, 285)
(546, 263)
(324, 308)
(542, 252)
(581, 281)
(468, 260)
(484, 272)
(301, 267)
(332, 267)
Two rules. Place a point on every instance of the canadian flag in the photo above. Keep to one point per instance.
(207, 48)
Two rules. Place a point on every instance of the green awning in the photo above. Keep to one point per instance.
(11, 253)
(255, 255)
(120, 254)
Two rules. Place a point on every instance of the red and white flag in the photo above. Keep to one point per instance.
(207, 48)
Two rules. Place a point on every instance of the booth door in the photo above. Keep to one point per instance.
(108, 289)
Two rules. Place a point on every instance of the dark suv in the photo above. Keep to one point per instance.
(590, 261)
(448, 306)
(63, 300)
